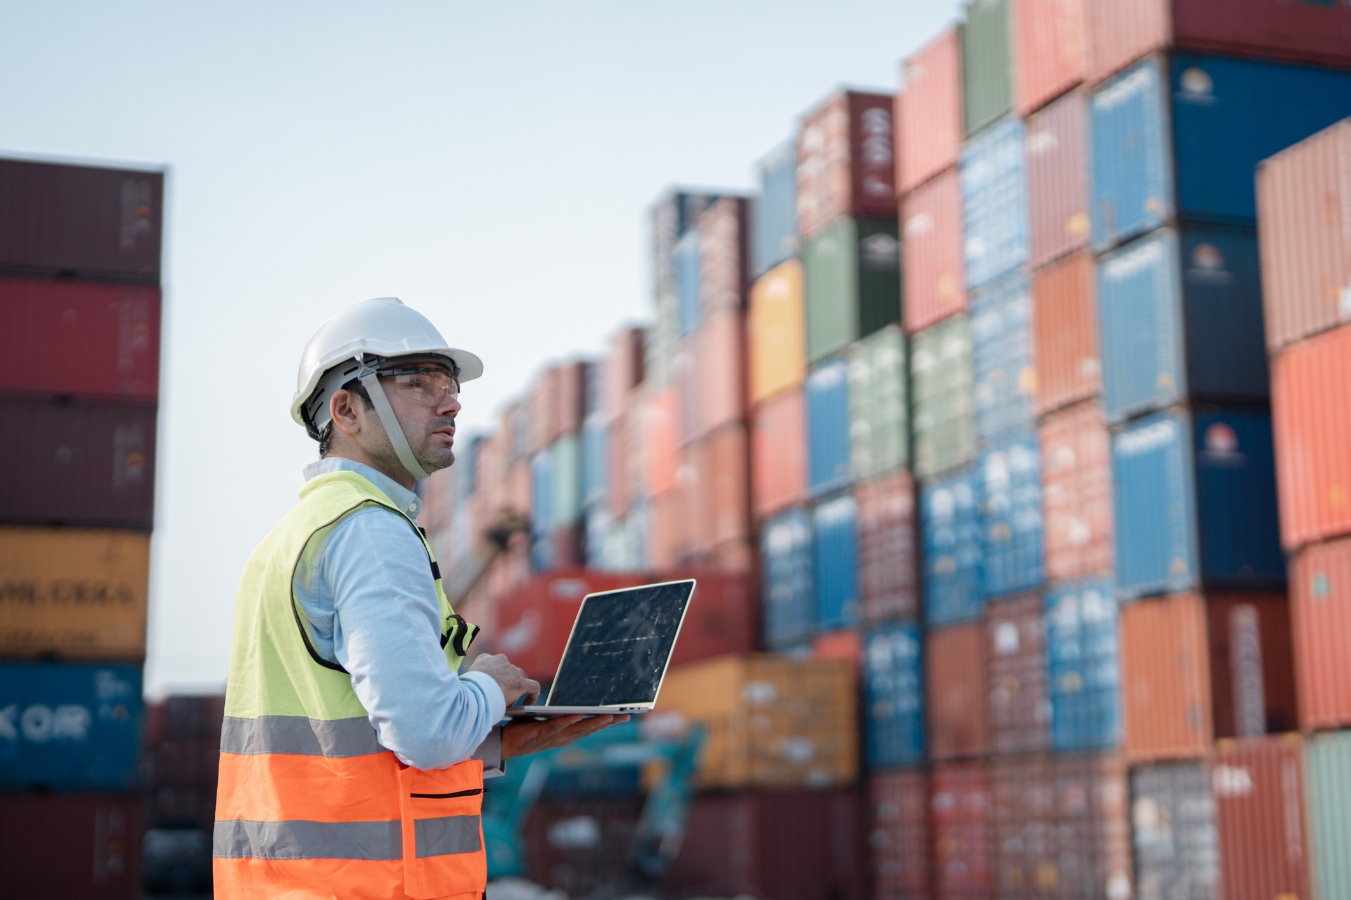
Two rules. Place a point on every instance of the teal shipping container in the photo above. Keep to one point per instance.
(994, 202)
(789, 593)
(1011, 513)
(828, 452)
(878, 438)
(835, 546)
(894, 695)
(941, 383)
(774, 236)
(1083, 660)
(950, 537)
(987, 63)
(565, 477)
(1328, 782)
(1001, 352)
(851, 282)
(69, 726)
(595, 459)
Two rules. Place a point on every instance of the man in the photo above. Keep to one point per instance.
(352, 753)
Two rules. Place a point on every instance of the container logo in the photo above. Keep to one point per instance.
(1006, 639)
(1041, 142)
(1221, 447)
(881, 250)
(919, 225)
(1231, 781)
(1077, 226)
(1207, 265)
(39, 723)
(1147, 439)
(1196, 86)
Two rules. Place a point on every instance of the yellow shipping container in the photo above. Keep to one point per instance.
(73, 593)
(769, 721)
(778, 342)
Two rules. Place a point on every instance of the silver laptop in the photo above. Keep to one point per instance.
(617, 653)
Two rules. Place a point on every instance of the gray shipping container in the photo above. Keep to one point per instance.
(987, 68)
(877, 404)
(1177, 847)
(944, 404)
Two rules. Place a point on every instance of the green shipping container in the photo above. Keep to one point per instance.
(877, 403)
(987, 70)
(1329, 801)
(852, 283)
(565, 469)
(942, 383)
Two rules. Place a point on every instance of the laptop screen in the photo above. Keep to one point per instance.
(620, 645)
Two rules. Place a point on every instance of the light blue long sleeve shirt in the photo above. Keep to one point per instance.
(367, 592)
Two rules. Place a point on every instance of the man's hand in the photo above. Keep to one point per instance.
(523, 737)
(511, 679)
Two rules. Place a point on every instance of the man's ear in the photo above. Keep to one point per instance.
(347, 413)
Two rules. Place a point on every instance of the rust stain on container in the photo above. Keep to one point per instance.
(1165, 673)
(887, 575)
(846, 165)
(1065, 332)
(1076, 461)
(1019, 706)
(955, 686)
(779, 453)
(1320, 612)
(1051, 50)
(1056, 145)
(899, 837)
(1258, 786)
(929, 124)
(963, 839)
(931, 238)
(778, 349)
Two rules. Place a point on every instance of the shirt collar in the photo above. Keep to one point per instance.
(403, 498)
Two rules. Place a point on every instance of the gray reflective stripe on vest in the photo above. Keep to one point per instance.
(444, 836)
(300, 736)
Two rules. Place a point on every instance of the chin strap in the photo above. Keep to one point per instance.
(368, 376)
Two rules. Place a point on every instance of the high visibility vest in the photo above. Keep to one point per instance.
(309, 804)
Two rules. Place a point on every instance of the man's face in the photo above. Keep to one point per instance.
(427, 409)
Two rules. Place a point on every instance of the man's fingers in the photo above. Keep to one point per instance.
(531, 691)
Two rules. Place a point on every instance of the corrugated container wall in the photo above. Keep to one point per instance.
(565, 478)
(77, 593)
(845, 161)
(789, 592)
(1173, 832)
(878, 436)
(900, 836)
(1076, 454)
(987, 67)
(851, 271)
(962, 833)
(543, 419)
(661, 439)
(950, 534)
(673, 215)
(722, 256)
(1001, 339)
(1011, 513)
(777, 337)
(80, 220)
(1020, 705)
(942, 391)
(1328, 761)
(1310, 383)
(73, 846)
(887, 573)
(1132, 172)
(778, 453)
(934, 270)
(1051, 55)
(1304, 221)
(595, 460)
(828, 452)
(1320, 613)
(1260, 816)
(775, 226)
(82, 463)
(719, 372)
(929, 123)
(622, 371)
(835, 545)
(572, 388)
(1056, 150)
(686, 260)
(894, 696)
(1083, 658)
(994, 202)
(1065, 332)
(955, 686)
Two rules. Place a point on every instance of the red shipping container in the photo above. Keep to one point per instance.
(1057, 177)
(571, 396)
(59, 219)
(1065, 332)
(899, 839)
(72, 846)
(929, 125)
(1051, 50)
(887, 579)
(1020, 707)
(1076, 471)
(1320, 614)
(779, 453)
(788, 845)
(846, 165)
(1311, 428)
(1260, 816)
(544, 405)
(87, 339)
(720, 370)
(960, 810)
(1022, 800)
(661, 442)
(955, 685)
(1300, 32)
(80, 462)
(931, 224)
(722, 255)
(1304, 220)
(719, 488)
(1093, 837)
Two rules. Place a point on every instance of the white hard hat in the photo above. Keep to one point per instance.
(362, 336)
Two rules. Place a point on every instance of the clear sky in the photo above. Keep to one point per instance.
(489, 163)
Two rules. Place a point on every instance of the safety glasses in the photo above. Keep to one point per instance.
(430, 386)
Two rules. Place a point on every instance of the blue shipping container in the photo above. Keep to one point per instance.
(686, 263)
(1011, 513)
(565, 474)
(541, 492)
(950, 534)
(775, 222)
(834, 526)
(828, 450)
(1084, 668)
(1001, 336)
(1154, 505)
(69, 726)
(894, 695)
(1132, 164)
(789, 591)
(595, 459)
(994, 202)
(1181, 317)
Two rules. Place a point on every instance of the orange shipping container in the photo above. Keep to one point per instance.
(846, 165)
(1311, 426)
(1051, 49)
(1304, 220)
(779, 453)
(1260, 816)
(75, 593)
(1320, 613)
(721, 370)
(1065, 332)
(929, 125)
(722, 255)
(955, 688)
(777, 341)
(1076, 453)
(1057, 179)
(931, 224)
(661, 441)
(721, 488)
